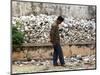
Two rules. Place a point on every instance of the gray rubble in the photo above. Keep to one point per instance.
(68, 61)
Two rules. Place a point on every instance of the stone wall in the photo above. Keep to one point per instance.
(38, 53)
(27, 8)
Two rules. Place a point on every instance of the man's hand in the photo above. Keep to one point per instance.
(51, 41)
(62, 36)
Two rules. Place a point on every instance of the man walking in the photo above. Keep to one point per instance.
(55, 40)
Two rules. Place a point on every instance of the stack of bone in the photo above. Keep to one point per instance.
(37, 28)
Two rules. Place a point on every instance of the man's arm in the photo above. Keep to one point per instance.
(51, 34)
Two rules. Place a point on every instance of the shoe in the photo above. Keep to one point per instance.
(63, 65)
(55, 65)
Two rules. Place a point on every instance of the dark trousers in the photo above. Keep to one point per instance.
(58, 54)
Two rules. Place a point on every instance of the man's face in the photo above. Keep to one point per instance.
(59, 22)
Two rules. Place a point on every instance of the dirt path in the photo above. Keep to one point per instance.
(72, 63)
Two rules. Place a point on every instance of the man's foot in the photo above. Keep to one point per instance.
(63, 65)
(55, 65)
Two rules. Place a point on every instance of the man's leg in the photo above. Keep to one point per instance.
(60, 53)
(55, 55)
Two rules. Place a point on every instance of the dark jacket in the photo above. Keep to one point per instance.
(54, 34)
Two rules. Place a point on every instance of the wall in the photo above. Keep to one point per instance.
(27, 8)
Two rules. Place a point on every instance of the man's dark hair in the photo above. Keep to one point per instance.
(60, 18)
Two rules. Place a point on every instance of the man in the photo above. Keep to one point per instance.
(55, 40)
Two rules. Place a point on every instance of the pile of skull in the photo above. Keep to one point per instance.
(37, 28)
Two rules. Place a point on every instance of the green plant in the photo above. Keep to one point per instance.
(17, 36)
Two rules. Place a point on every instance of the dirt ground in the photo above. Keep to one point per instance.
(34, 68)
(42, 64)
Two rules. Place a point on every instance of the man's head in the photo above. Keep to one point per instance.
(60, 19)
